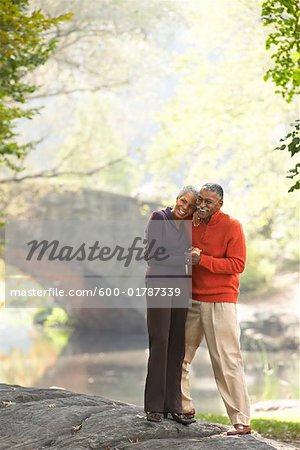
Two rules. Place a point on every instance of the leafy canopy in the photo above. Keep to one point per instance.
(25, 43)
(284, 41)
(291, 142)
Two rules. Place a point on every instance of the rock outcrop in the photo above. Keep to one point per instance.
(36, 419)
(270, 332)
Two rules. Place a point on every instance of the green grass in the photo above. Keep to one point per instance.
(214, 418)
(272, 428)
(282, 430)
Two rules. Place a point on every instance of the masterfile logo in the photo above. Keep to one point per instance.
(54, 251)
(85, 264)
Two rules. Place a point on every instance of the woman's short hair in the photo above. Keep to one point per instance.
(189, 188)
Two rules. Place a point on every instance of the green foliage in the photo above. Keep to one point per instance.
(284, 16)
(215, 128)
(96, 129)
(209, 417)
(52, 317)
(291, 142)
(277, 429)
(260, 267)
(191, 99)
(24, 45)
(56, 324)
(270, 428)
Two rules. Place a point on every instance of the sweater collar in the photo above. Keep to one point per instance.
(215, 218)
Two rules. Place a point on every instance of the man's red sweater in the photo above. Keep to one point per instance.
(222, 241)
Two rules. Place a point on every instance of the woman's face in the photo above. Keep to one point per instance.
(185, 206)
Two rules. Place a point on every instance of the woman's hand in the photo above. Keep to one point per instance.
(193, 256)
(196, 219)
(196, 255)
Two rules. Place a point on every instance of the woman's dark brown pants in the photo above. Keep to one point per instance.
(166, 330)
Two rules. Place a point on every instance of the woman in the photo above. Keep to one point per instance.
(167, 300)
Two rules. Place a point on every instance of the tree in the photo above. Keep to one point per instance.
(221, 123)
(100, 46)
(201, 111)
(284, 41)
(291, 142)
(25, 44)
(104, 48)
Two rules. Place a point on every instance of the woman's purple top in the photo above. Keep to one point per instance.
(161, 232)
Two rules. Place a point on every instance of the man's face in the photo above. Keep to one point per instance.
(208, 203)
(185, 206)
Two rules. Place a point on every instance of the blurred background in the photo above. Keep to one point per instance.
(139, 99)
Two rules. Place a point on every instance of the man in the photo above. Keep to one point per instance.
(218, 257)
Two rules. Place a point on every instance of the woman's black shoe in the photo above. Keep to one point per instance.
(180, 418)
(152, 416)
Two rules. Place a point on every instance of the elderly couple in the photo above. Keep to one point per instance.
(215, 246)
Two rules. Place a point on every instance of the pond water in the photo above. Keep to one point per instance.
(115, 367)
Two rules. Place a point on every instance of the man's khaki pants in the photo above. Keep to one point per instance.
(217, 322)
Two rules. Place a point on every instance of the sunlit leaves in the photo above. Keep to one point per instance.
(291, 142)
(283, 18)
(24, 45)
(223, 122)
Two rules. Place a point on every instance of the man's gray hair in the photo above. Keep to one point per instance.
(214, 188)
(188, 188)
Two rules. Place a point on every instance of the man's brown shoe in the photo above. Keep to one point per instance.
(190, 414)
(239, 428)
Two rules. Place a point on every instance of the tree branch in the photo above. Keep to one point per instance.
(53, 173)
(87, 89)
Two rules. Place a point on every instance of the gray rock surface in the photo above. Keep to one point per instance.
(34, 419)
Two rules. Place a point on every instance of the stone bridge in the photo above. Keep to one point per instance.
(77, 217)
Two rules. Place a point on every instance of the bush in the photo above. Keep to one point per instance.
(260, 267)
